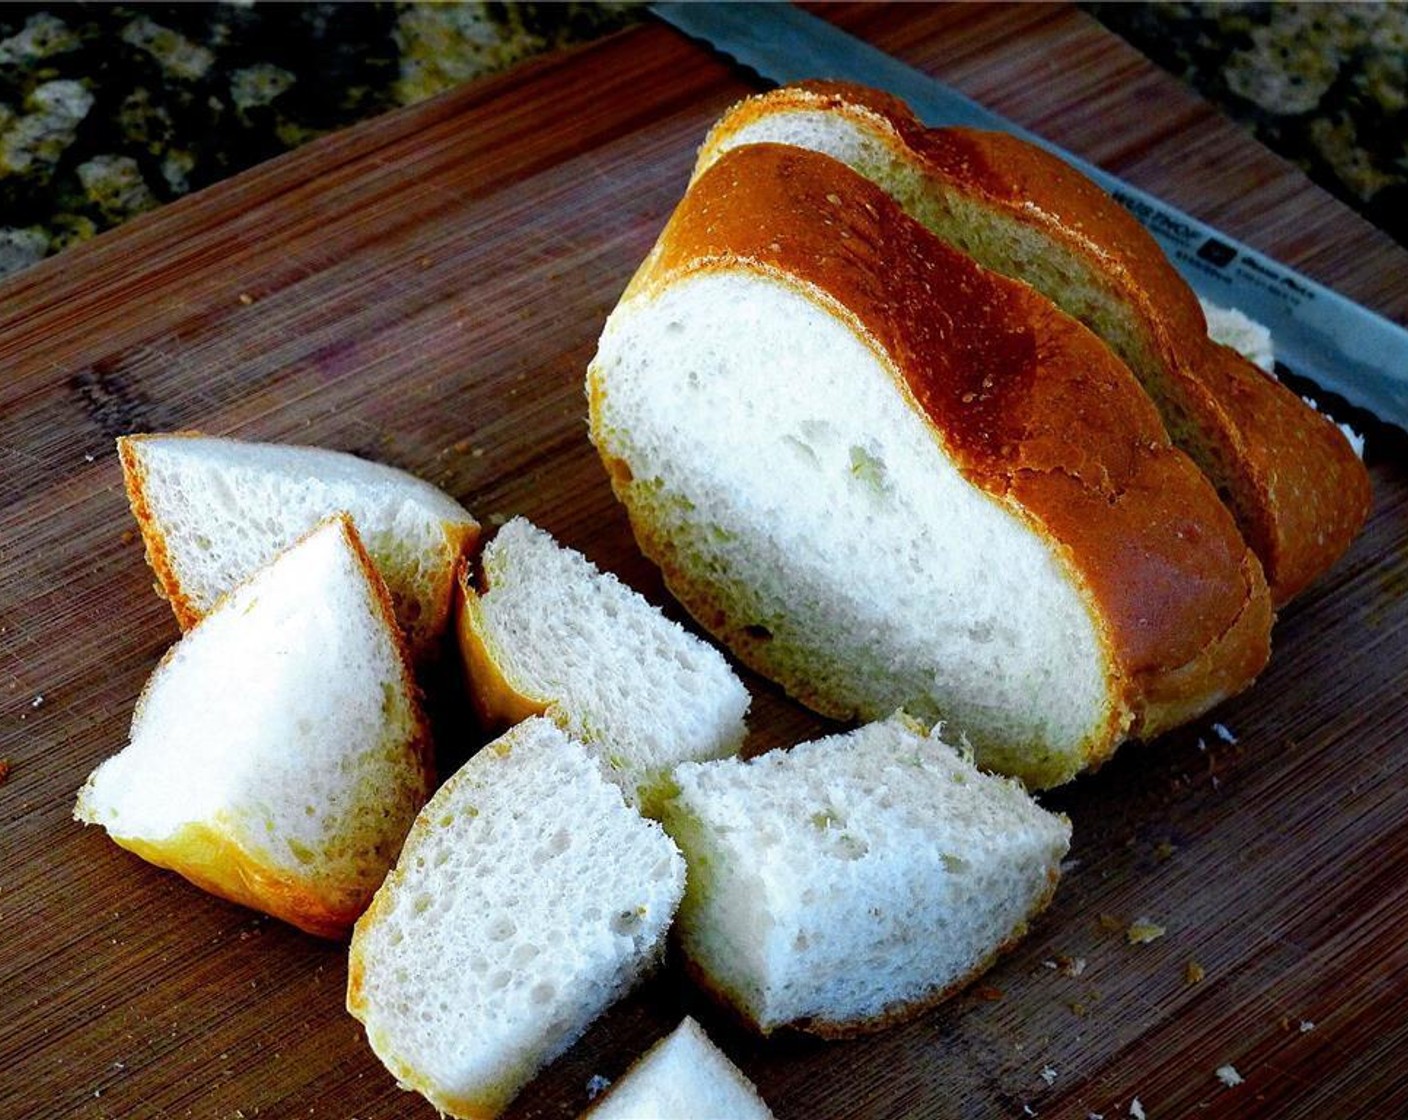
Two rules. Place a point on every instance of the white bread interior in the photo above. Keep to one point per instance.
(527, 899)
(796, 490)
(278, 753)
(684, 1076)
(547, 631)
(854, 880)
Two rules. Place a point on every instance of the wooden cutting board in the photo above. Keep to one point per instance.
(426, 290)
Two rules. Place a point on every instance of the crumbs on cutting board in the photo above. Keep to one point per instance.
(1141, 931)
(1229, 1076)
(4, 770)
(1193, 973)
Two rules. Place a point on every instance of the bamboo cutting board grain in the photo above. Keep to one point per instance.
(426, 290)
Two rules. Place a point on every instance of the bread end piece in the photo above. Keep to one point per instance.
(527, 898)
(1297, 489)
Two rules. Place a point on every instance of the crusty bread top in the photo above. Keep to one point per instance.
(1298, 490)
(1030, 405)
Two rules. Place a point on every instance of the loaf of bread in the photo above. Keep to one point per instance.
(684, 1076)
(528, 897)
(888, 478)
(855, 880)
(213, 510)
(1297, 489)
(278, 754)
(545, 632)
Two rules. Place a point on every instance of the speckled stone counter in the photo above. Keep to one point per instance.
(108, 110)
(1325, 84)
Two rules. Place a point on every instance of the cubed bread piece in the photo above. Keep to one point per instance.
(855, 880)
(278, 753)
(529, 896)
(545, 632)
(213, 510)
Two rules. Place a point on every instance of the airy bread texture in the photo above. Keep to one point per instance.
(684, 1076)
(546, 632)
(527, 899)
(1297, 489)
(278, 753)
(213, 510)
(855, 880)
(887, 478)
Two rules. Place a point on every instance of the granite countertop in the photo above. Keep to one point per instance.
(109, 110)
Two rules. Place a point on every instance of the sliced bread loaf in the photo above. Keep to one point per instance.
(855, 880)
(278, 754)
(888, 478)
(1297, 489)
(684, 1076)
(213, 510)
(545, 632)
(528, 897)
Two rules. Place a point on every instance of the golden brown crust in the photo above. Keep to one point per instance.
(1298, 491)
(1030, 406)
(211, 859)
(134, 478)
(498, 703)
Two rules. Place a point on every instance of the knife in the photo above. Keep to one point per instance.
(1318, 333)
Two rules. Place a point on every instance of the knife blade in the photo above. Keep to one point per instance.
(1318, 333)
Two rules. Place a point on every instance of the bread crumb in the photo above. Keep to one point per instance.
(1193, 973)
(1229, 1076)
(38, 701)
(596, 1085)
(460, 446)
(1136, 1110)
(1141, 931)
(1306, 1026)
(1048, 1074)
(246, 298)
(1071, 966)
(4, 770)
(1221, 731)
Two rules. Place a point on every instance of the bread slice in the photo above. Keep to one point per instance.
(278, 753)
(888, 478)
(684, 1076)
(1296, 487)
(855, 880)
(546, 632)
(213, 510)
(528, 897)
